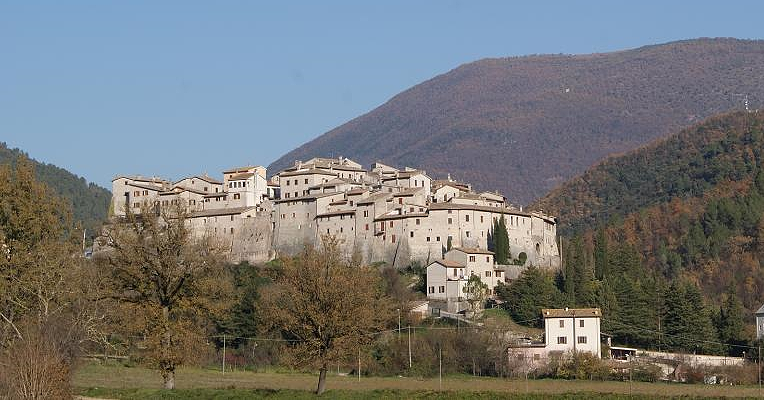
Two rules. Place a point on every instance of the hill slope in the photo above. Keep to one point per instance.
(523, 125)
(690, 206)
(90, 202)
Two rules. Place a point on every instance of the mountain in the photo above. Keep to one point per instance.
(687, 206)
(90, 202)
(523, 125)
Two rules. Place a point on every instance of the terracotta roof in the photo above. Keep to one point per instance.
(472, 250)
(448, 263)
(570, 312)
(221, 211)
(218, 194)
(356, 191)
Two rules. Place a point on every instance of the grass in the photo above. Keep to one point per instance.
(118, 382)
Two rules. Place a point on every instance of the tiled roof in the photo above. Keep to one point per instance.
(312, 171)
(570, 312)
(221, 211)
(448, 263)
(245, 175)
(472, 250)
(333, 213)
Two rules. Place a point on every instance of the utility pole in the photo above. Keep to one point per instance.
(759, 348)
(224, 354)
(359, 363)
(399, 324)
(440, 368)
(409, 346)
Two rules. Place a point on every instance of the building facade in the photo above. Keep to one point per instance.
(381, 214)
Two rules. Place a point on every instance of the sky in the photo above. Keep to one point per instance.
(173, 88)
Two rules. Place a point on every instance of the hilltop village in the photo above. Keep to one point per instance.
(382, 214)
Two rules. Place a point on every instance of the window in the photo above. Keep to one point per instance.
(306, 181)
(562, 340)
(295, 181)
(487, 274)
(487, 259)
(441, 289)
(417, 221)
(411, 234)
(231, 231)
(428, 238)
(581, 323)
(467, 233)
(365, 213)
(537, 356)
(455, 271)
(449, 221)
(431, 289)
(472, 258)
(400, 200)
(392, 238)
(287, 182)
(467, 218)
(391, 224)
(236, 196)
(411, 209)
(231, 217)
(562, 323)
(367, 227)
(136, 205)
(481, 219)
(437, 238)
(582, 340)
(498, 274)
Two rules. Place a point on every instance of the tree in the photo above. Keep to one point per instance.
(731, 323)
(528, 294)
(46, 287)
(476, 292)
(328, 305)
(448, 244)
(501, 241)
(169, 282)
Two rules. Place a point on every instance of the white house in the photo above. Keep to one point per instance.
(760, 322)
(565, 330)
(447, 278)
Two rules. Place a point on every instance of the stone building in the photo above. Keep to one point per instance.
(381, 214)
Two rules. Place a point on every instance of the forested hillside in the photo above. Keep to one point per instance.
(670, 238)
(524, 125)
(90, 202)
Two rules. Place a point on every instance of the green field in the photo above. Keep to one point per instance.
(117, 382)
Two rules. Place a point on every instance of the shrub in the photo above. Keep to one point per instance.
(38, 366)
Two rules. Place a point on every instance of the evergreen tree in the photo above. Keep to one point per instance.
(449, 244)
(501, 242)
(731, 324)
(528, 294)
(600, 254)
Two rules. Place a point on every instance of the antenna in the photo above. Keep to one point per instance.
(746, 103)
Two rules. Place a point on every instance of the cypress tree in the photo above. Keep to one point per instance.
(731, 324)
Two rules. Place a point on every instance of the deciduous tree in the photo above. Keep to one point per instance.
(327, 304)
(170, 282)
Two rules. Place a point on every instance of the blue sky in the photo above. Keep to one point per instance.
(181, 87)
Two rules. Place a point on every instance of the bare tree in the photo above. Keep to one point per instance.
(328, 304)
(171, 282)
